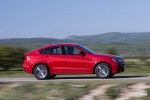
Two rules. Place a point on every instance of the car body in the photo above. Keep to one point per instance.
(70, 58)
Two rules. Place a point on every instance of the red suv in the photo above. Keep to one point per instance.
(69, 58)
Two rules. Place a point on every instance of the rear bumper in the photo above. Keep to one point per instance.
(26, 67)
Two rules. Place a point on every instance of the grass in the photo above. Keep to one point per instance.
(59, 90)
(44, 90)
(144, 98)
(148, 96)
(113, 92)
(14, 74)
(137, 67)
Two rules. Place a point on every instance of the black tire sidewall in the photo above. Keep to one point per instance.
(109, 73)
(46, 77)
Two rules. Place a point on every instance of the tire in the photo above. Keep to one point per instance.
(52, 76)
(103, 70)
(41, 72)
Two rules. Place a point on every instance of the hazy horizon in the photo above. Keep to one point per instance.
(69, 37)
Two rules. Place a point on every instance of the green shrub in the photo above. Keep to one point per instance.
(113, 92)
(111, 50)
(11, 57)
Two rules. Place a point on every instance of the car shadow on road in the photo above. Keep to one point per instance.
(95, 77)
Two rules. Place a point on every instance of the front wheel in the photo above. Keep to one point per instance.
(41, 72)
(103, 70)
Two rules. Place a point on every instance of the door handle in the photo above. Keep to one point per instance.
(45, 56)
(67, 56)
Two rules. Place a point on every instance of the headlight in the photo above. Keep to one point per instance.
(115, 59)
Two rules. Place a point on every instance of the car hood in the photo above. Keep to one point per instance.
(106, 55)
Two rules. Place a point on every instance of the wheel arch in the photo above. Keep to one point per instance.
(99, 63)
(38, 64)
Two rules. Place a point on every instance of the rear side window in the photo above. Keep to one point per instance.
(53, 50)
(41, 51)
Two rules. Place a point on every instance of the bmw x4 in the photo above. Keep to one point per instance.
(70, 58)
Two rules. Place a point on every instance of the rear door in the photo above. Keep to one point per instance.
(55, 59)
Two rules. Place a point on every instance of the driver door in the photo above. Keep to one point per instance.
(75, 62)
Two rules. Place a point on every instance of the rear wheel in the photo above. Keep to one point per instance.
(103, 70)
(41, 72)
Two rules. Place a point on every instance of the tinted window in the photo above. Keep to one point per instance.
(86, 49)
(53, 50)
(41, 51)
(71, 50)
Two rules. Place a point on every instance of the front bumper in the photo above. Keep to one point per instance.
(121, 68)
(121, 65)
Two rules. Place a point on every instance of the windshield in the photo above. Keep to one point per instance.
(86, 49)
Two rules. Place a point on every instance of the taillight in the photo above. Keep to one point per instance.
(27, 58)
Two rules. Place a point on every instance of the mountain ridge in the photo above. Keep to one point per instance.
(111, 37)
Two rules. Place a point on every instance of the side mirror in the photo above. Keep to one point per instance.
(82, 53)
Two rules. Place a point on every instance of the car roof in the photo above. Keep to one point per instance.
(62, 44)
(57, 44)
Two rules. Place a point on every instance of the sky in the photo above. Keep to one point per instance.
(63, 18)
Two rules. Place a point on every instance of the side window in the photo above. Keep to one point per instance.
(71, 50)
(53, 50)
(41, 51)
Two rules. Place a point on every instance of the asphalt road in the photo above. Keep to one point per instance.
(70, 79)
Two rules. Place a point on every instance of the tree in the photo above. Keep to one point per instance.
(11, 57)
(111, 50)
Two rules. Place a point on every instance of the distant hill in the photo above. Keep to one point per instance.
(31, 41)
(113, 37)
(126, 44)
